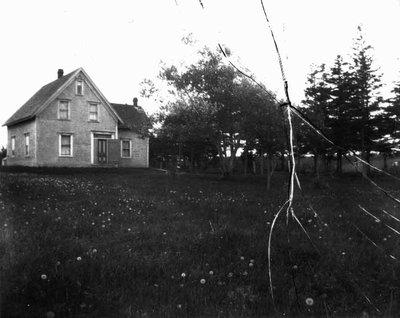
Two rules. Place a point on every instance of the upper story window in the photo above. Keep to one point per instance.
(13, 146)
(65, 145)
(93, 112)
(79, 86)
(27, 144)
(126, 148)
(63, 110)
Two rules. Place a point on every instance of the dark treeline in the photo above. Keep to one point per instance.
(218, 112)
(345, 102)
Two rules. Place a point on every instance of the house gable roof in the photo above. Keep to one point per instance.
(30, 108)
(133, 118)
(44, 96)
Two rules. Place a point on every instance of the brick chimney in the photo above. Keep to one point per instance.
(135, 101)
(60, 73)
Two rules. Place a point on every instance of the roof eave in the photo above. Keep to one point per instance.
(18, 121)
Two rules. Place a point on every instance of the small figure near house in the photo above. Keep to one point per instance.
(69, 123)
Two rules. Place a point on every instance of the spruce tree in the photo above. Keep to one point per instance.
(317, 99)
(340, 81)
(366, 101)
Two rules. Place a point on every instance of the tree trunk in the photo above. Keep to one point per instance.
(364, 154)
(385, 165)
(192, 159)
(365, 167)
(315, 159)
(221, 160)
(339, 162)
(261, 165)
(246, 161)
(317, 174)
(269, 174)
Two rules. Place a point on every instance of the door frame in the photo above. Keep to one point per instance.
(94, 137)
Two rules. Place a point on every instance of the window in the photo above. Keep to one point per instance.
(79, 86)
(63, 110)
(93, 112)
(65, 145)
(13, 146)
(26, 144)
(126, 148)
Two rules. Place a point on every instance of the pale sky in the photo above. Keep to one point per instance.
(119, 43)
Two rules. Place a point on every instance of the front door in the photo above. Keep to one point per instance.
(102, 151)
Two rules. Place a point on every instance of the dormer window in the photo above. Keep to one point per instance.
(79, 86)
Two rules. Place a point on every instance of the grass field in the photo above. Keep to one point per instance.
(139, 243)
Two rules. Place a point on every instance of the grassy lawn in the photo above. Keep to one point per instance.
(139, 243)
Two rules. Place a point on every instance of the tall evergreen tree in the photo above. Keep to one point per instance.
(393, 112)
(390, 123)
(342, 90)
(366, 101)
(318, 96)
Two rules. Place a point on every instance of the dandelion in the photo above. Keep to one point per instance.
(44, 276)
(50, 314)
(251, 264)
(79, 258)
(309, 301)
(202, 281)
(179, 306)
(211, 272)
(295, 267)
(94, 250)
(129, 229)
(242, 258)
(183, 275)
